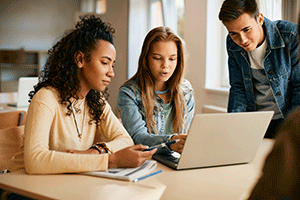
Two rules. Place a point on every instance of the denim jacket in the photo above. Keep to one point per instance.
(132, 113)
(281, 67)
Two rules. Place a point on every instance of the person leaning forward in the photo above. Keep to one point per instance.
(264, 70)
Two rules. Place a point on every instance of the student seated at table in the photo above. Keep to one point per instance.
(70, 127)
(157, 105)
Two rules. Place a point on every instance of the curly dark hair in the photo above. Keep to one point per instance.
(61, 70)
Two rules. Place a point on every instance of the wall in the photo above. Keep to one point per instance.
(34, 24)
(117, 15)
(38, 24)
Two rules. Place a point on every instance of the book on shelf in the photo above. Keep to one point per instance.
(128, 174)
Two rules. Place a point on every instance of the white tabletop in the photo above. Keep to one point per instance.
(216, 183)
(4, 107)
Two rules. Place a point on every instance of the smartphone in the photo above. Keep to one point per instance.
(162, 145)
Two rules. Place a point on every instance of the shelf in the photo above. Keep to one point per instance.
(10, 66)
(19, 63)
(19, 56)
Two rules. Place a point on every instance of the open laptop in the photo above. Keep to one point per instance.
(220, 139)
(24, 87)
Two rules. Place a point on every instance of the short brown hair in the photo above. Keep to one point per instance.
(233, 9)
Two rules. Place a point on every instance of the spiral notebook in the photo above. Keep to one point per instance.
(127, 174)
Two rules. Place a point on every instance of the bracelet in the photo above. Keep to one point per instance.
(95, 146)
(103, 145)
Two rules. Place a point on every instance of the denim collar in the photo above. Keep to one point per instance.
(274, 38)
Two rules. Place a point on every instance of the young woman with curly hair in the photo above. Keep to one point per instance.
(70, 127)
(157, 105)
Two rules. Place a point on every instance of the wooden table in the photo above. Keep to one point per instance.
(216, 183)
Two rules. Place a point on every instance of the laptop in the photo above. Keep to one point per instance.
(24, 87)
(220, 139)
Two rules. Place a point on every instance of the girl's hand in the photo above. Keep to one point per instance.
(178, 146)
(132, 156)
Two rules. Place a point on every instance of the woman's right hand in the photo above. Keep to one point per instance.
(132, 156)
(178, 146)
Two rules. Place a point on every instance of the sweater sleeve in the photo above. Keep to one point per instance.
(39, 158)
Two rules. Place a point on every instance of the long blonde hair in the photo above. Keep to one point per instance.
(146, 81)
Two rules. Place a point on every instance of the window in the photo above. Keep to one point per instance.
(271, 9)
(155, 14)
(93, 6)
(216, 55)
(147, 14)
(166, 13)
(217, 76)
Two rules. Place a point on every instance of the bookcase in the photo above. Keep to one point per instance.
(19, 63)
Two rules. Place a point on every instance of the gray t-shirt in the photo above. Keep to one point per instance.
(264, 97)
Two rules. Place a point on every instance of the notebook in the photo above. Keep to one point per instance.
(24, 87)
(220, 139)
(128, 174)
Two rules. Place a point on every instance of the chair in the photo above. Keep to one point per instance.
(10, 142)
(11, 119)
(11, 138)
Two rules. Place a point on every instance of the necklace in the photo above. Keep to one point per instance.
(77, 105)
(162, 92)
(76, 124)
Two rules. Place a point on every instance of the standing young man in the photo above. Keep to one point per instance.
(263, 61)
(280, 177)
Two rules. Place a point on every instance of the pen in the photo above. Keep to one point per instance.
(143, 177)
(162, 145)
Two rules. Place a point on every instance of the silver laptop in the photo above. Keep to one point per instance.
(220, 139)
(24, 87)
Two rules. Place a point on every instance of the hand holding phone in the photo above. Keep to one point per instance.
(162, 145)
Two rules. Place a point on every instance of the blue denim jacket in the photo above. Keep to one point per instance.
(281, 66)
(133, 116)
